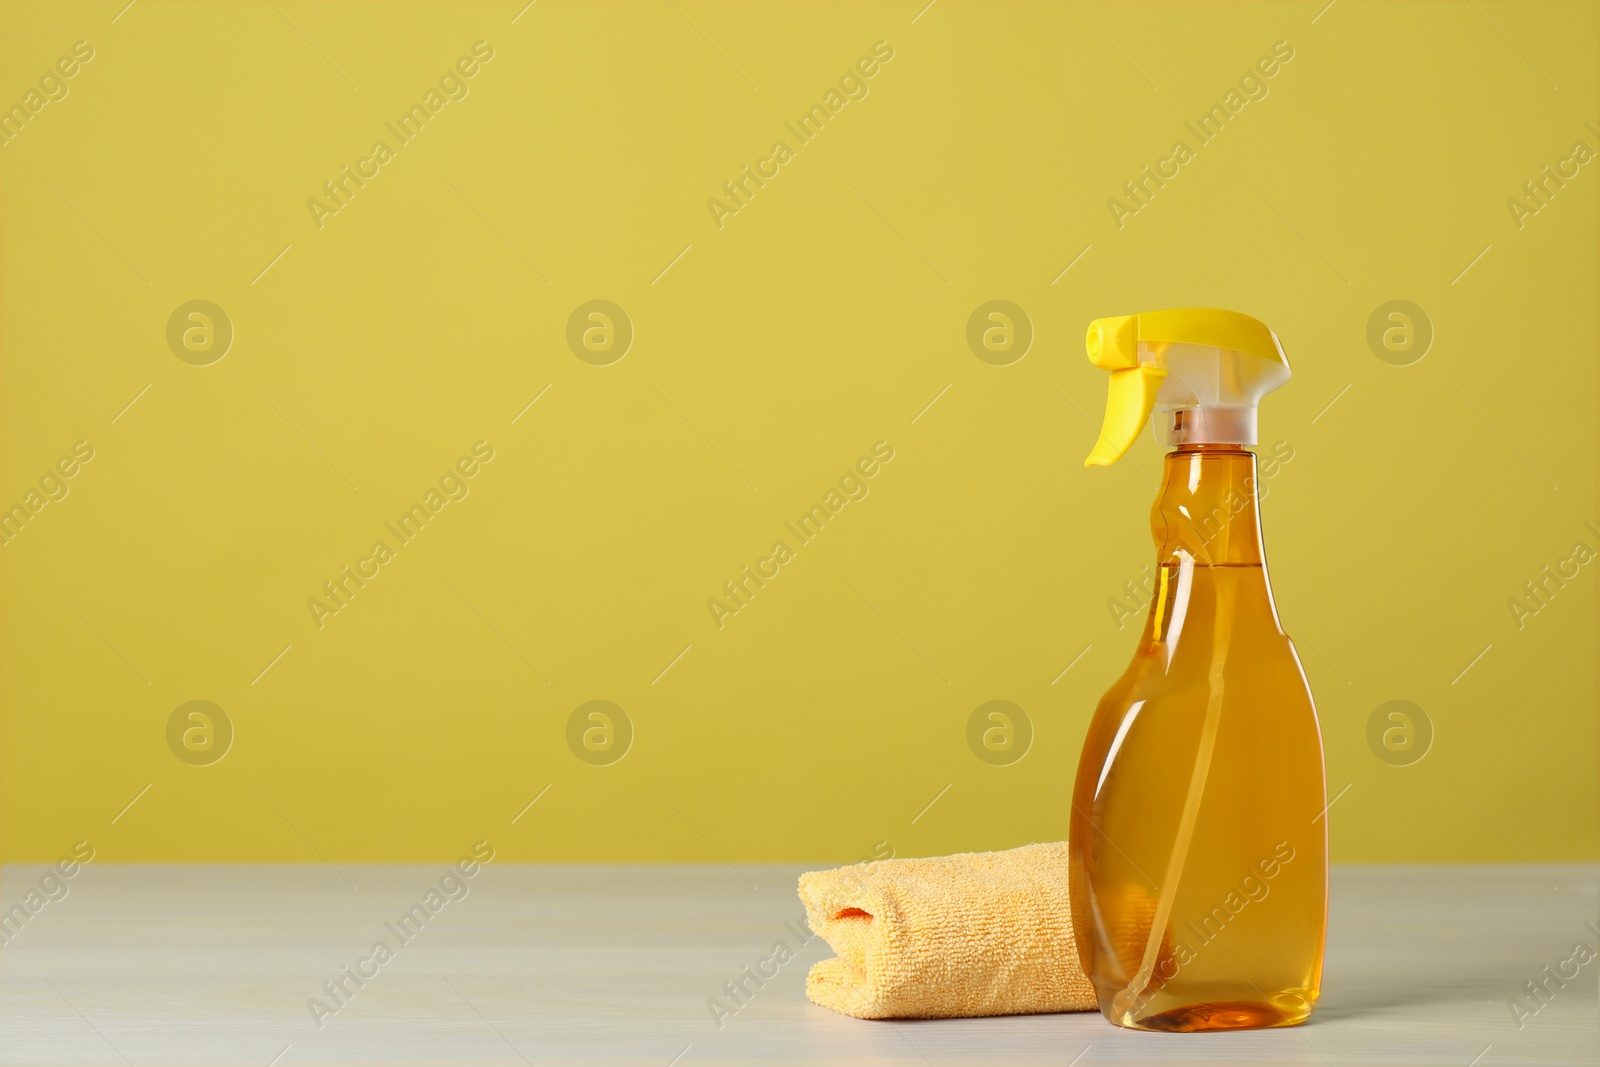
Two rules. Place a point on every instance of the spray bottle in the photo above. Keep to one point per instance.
(1198, 840)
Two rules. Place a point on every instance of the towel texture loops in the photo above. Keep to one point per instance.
(981, 933)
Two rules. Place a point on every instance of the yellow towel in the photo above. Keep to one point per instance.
(981, 933)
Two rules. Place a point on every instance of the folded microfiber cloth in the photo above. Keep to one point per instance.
(980, 933)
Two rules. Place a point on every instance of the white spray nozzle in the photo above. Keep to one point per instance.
(1201, 370)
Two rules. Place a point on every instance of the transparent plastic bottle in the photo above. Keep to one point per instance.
(1198, 839)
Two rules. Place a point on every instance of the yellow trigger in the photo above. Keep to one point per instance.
(1128, 406)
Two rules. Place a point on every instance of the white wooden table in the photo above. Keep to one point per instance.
(615, 965)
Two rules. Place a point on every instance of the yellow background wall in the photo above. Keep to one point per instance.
(769, 354)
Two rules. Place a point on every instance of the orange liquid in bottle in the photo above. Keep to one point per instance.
(1198, 843)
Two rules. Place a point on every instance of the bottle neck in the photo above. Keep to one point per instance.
(1207, 511)
(1190, 427)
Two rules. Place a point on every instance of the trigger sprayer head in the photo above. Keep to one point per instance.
(1201, 370)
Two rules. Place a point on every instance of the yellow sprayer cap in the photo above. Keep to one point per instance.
(1203, 369)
